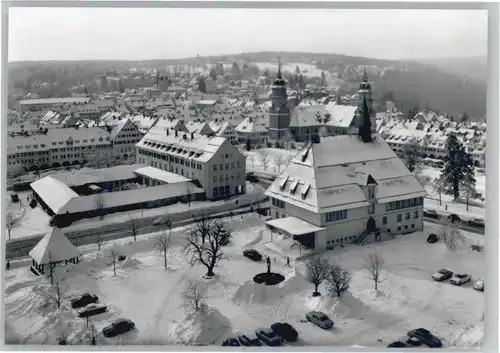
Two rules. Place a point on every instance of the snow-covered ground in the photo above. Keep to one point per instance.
(276, 159)
(146, 293)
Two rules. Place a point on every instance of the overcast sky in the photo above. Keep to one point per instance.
(129, 34)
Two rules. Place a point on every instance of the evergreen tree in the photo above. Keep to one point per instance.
(235, 70)
(120, 86)
(86, 90)
(323, 79)
(297, 70)
(464, 118)
(202, 86)
(458, 167)
(104, 83)
(301, 82)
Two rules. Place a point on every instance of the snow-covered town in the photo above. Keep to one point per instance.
(236, 202)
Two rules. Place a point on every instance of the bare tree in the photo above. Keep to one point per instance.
(411, 156)
(452, 237)
(264, 160)
(374, 266)
(193, 295)
(202, 227)
(134, 226)
(317, 271)
(339, 279)
(99, 205)
(440, 187)
(58, 292)
(209, 252)
(114, 253)
(163, 244)
(278, 160)
(92, 334)
(251, 158)
(468, 190)
(189, 192)
(11, 221)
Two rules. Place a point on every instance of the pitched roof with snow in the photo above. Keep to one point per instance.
(331, 175)
(252, 125)
(329, 115)
(54, 192)
(90, 176)
(53, 247)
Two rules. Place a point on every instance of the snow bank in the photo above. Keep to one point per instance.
(469, 337)
(347, 306)
(295, 281)
(257, 238)
(253, 293)
(130, 262)
(199, 328)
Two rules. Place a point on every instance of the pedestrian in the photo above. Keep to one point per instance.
(446, 207)
(8, 265)
(287, 261)
(275, 259)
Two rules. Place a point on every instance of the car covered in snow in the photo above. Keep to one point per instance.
(247, 341)
(232, 342)
(118, 327)
(406, 342)
(92, 309)
(426, 337)
(442, 275)
(83, 299)
(479, 285)
(285, 331)
(268, 336)
(432, 238)
(252, 254)
(460, 278)
(319, 319)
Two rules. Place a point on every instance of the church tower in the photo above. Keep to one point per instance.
(365, 102)
(279, 114)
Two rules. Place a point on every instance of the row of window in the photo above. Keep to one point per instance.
(341, 240)
(336, 216)
(223, 177)
(399, 217)
(126, 142)
(167, 157)
(222, 190)
(221, 166)
(397, 205)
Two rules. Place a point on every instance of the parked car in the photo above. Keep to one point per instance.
(426, 337)
(431, 214)
(268, 336)
(479, 285)
(83, 300)
(460, 278)
(246, 341)
(118, 327)
(285, 331)
(252, 254)
(413, 341)
(319, 319)
(442, 275)
(14, 198)
(432, 238)
(92, 309)
(405, 342)
(232, 342)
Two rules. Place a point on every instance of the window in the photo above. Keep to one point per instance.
(227, 166)
(399, 217)
(415, 214)
(216, 191)
(215, 178)
(384, 220)
(221, 167)
(413, 225)
(238, 176)
(371, 192)
(278, 203)
(407, 215)
(336, 216)
(237, 164)
(399, 228)
(371, 208)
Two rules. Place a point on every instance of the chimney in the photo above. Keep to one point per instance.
(168, 131)
(192, 136)
(176, 133)
(184, 137)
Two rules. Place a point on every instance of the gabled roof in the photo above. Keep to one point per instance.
(53, 192)
(54, 247)
(328, 115)
(331, 175)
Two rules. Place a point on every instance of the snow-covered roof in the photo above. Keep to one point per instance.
(199, 127)
(63, 100)
(126, 197)
(331, 175)
(92, 176)
(294, 226)
(160, 174)
(53, 247)
(251, 125)
(54, 193)
(329, 115)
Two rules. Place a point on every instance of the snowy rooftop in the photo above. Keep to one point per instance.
(329, 115)
(251, 125)
(63, 100)
(53, 247)
(160, 174)
(330, 175)
(54, 193)
(90, 176)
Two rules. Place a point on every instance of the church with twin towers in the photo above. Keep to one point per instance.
(303, 123)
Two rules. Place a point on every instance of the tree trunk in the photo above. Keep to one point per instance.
(165, 258)
(467, 203)
(114, 267)
(456, 191)
(9, 232)
(440, 204)
(376, 285)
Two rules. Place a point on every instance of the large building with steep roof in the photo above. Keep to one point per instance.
(346, 189)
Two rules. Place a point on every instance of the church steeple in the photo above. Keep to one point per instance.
(279, 81)
(365, 76)
(365, 124)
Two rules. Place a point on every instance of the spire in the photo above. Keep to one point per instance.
(279, 68)
(365, 76)
(365, 128)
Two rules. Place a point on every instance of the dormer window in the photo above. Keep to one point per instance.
(305, 190)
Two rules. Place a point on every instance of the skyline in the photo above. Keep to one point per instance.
(153, 34)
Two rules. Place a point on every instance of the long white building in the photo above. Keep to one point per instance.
(211, 160)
